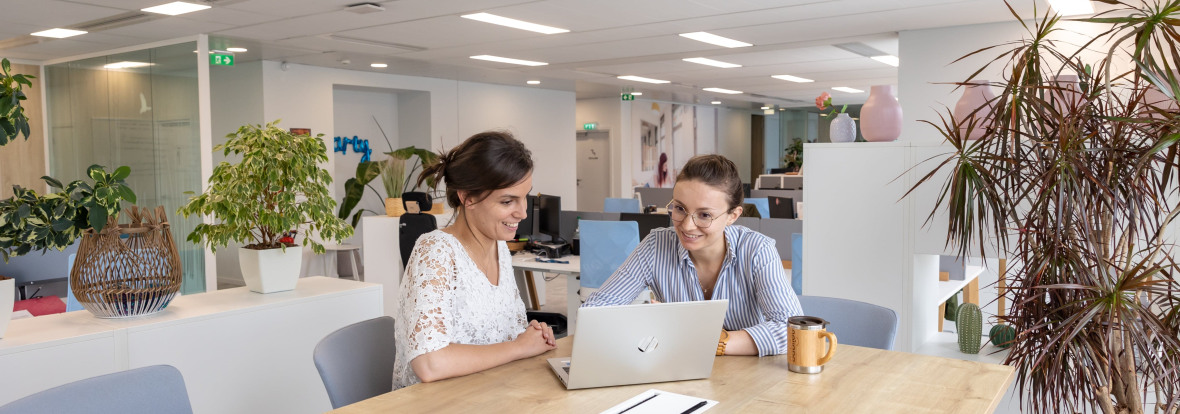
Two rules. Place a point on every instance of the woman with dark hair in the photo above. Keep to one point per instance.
(704, 257)
(460, 309)
(662, 171)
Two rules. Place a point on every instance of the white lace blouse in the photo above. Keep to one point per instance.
(446, 299)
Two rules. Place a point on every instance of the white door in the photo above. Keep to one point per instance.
(593, 169)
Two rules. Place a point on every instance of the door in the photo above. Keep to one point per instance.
(593, 169)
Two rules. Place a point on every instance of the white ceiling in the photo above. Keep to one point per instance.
(607, 38)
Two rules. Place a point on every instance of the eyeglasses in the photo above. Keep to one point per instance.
(678, 213)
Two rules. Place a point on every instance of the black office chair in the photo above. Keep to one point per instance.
(414, 225)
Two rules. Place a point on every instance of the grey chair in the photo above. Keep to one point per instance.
(356, 361)
(156, 389)
(853, 322)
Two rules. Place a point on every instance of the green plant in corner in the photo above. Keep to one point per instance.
(12, 114)
(1077, 186)
(793, 159)
(277, 186)
(34, 222)
(393, 178)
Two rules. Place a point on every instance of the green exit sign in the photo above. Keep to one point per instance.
(220, 59)
(628, 97)
(590, 126)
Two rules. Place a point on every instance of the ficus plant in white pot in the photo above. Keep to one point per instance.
(277, 188)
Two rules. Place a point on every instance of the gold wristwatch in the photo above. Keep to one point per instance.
(721, 342)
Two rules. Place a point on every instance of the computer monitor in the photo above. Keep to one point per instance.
(647, 222)
(781, 207)
(549, 216)
(528, 226)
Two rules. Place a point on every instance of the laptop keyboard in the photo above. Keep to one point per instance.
(567, 369)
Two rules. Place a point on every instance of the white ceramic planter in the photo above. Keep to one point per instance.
(268, 271)
(7, 296)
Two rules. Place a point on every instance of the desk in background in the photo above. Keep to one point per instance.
(524, 264)
(857, 380)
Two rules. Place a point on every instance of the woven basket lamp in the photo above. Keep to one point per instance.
(127, 270)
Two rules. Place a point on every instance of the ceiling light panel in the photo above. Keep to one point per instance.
(1071, 7)
(888, 60)
(513, 23)
(126, 65)
(715, 39)
(58, 33)
(711, 62)
(534, 82)
(792, 78)
(176, 8)
(236, 49)
(642, 79)
(720, 90)
(508, 60)
(846, 89)
(379, 65)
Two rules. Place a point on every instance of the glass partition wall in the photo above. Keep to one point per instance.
(138, 109)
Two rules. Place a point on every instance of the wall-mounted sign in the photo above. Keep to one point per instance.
(221, 59)
(628, 97)
(590, 126)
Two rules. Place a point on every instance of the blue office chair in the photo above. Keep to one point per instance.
(797, 263)
(356, 361)
(156, 389)
(853, 322)
(621, 205)
(763, 205)
(605, 246)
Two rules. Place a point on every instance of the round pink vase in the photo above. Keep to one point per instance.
(977, 96)
(880, 117)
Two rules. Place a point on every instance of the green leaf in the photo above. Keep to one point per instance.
(62, 224)
(97, 218)
(53, 183)
(121, 173)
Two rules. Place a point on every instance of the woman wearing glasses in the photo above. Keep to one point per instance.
(703, 257)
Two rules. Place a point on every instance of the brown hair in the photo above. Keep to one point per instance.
(483, 163)
(716, 171)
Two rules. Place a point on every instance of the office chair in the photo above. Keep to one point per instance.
(156, 389)
(356, 361)
(621, 205)
(797, 263)
(414, 225)
(853, 322)
(605, 246)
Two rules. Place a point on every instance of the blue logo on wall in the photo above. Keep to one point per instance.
(359, 146)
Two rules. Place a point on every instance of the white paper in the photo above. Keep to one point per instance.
(663, 403)
(21, 314)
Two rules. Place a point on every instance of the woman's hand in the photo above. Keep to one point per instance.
(536, 339)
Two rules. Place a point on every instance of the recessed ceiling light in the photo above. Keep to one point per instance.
(59, 33)
(716, 102)
(378, 65)
(637, 93)
(642, 79)
(534, 82)
(125, 65)
(847, 89)
(792, 78)
(714, 39)
(720, 90)
(513, 23)
(236, 49)
(888, 60)
(1071, 7)
(711, 62)
(175, 8)
(509, 60)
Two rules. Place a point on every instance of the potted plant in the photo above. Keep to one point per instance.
(793, 159)
(12, 115)
(1076, 184)
(394, 179)
(277, 187)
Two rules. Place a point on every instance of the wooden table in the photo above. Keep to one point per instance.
(857, 380)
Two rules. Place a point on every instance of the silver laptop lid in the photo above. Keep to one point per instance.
(636, 344)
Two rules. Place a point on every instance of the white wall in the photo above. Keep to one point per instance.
(353, 113)
(236, 93)
(607, 112)
(733, 138)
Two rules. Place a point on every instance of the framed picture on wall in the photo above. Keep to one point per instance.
(301, 131)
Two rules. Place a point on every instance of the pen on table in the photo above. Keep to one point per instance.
(695, 407)
(641, 402)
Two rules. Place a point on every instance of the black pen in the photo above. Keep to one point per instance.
(695, 407)
(641, 402)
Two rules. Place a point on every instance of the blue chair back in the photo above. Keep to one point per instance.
(763, 205)
(621, 205)
(605, 245)
(356, 361)
(797, 263)
(156, 389)
(854, 322)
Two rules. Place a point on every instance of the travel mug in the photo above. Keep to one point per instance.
(805, 344)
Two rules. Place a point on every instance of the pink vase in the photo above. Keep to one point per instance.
(880, 117)
(974, 109)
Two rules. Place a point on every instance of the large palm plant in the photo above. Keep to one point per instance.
(1078, 187)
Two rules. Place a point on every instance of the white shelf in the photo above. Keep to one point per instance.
(949, 288)
(946, 345)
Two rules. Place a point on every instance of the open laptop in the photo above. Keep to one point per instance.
(636, 344)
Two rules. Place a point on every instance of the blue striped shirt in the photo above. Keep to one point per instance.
(752, 279)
